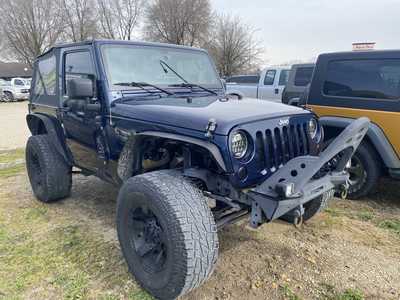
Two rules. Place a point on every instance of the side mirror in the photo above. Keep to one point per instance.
(80, 88)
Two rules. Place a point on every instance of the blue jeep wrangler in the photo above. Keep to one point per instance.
(154, 119)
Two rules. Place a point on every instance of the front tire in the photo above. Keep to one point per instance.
(49, 175)
(167, 233)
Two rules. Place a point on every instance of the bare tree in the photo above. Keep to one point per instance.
(80, 19)
(182, 22)
(234, 46)
(29, 27)
(118, 18)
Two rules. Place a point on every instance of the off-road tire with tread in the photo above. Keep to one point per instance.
(49, 175)
(188, 225)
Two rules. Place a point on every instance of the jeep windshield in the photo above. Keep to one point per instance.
(126, 64)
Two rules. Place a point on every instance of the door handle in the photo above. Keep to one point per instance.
(277, 91)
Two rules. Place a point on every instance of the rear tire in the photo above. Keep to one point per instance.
(167, 233)
(364, 171)
(49, 175)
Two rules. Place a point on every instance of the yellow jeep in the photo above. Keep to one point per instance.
(349, 85)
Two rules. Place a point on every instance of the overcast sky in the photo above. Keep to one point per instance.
(301, 29)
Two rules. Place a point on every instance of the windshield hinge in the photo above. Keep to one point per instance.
(211, 127)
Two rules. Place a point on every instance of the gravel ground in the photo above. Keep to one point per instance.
(13, 129)
(349, 252)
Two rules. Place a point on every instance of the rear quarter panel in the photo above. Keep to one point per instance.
(389, 122)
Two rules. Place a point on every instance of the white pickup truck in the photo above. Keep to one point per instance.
(268, 86)
(16, 89)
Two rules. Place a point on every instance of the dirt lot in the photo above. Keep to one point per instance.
(13, 132)
(69, 249)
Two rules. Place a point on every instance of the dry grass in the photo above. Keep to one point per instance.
(69, 250)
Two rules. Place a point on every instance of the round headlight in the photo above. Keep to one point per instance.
(239, 144)
(313, 128)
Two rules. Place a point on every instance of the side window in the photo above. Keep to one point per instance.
(250, 79)
(253, 79)
(45, 77)
(303, 76)
(233, 79)
(269, 77)
(18, 82)
(370, 78)
(284, 77)
(78, 65)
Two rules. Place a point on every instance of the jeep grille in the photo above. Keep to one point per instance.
(276, 147)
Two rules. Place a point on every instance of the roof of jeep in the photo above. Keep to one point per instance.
(117, 42)
(361, 54)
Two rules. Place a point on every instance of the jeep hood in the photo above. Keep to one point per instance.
(195, 114)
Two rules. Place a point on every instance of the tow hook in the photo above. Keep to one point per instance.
(298, 222)
(343, 191)
(298, 217)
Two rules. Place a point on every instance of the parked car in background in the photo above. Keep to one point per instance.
(299, 78)
(268, 85)
(348, 85)
(16, 89)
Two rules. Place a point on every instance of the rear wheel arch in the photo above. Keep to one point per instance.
(36, 124)
(39, 124)
(238, 94)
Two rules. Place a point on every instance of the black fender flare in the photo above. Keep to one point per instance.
(375, 136)
(39, 123)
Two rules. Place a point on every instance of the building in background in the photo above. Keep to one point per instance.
(364, 46)
(10, 70)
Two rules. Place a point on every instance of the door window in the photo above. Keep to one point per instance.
(78, 65)
(284, 77)
(370, 78)
(269, 77)
(303, 76)
(19, 82)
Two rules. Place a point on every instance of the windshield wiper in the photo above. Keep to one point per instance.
(142, 86)
(185, 82)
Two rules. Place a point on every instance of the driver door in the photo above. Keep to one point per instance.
(267, 88)
(81, 125)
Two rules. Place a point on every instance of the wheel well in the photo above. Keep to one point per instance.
(188, 155)
(150, 153)
(332, 132)
(239, 96)
(36, 125)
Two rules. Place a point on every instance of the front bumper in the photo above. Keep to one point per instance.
(21, 96)
(297, 182)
